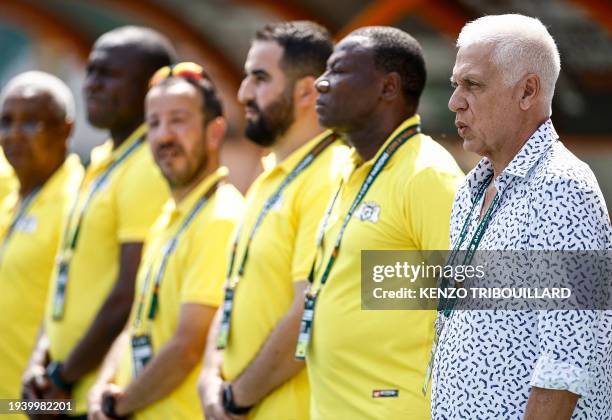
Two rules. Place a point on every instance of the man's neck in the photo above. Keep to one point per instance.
(28, 184)
(296, 136)
(121, 134)
(179, 193)
(500, 159)
(370, 137)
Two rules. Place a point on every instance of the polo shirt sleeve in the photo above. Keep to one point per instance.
(141, 193)
(311, 203)
(569, 339)
(428, 202)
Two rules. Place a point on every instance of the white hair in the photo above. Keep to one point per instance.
(521, 45)
(38, 80)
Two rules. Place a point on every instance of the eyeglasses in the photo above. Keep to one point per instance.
(186, 69)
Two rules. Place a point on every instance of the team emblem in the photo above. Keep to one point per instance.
(369, 211)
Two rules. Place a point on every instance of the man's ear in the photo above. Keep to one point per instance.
(304, 92)
(67, 128)
(530, 91)
(391, 86)
(215, 131)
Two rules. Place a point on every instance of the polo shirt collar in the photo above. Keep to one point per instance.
(53, 184)
(270, 162)
(105, 154)
(194, 195)
(357, 160)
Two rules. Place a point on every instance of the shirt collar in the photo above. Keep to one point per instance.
(270, 163)
(105, 154)
(71, 164)
(357, 160)
(531, 152)
(194, 195)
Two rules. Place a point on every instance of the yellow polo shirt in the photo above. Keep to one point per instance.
(123, 210)
(281, 254)
(26, 264)
(194, 273)
(353, 352)
(8, 180)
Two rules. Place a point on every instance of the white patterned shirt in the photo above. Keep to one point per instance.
(487, 361)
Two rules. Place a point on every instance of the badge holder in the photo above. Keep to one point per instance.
(305, 327)
(224, 328)
(142, 351)
(60, 293)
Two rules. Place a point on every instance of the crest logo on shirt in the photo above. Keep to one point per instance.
(369, 211)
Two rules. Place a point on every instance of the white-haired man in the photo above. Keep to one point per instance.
(36, 118)
(527, 193)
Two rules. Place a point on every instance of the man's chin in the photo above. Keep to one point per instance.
(327, 121)
(469, 145)
(99, 121)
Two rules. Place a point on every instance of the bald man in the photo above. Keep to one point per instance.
(122, 194)
(37, 113)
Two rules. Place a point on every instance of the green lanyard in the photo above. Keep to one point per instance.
(271, 201)
(21, 212)
(446, 305)
(167, 250)
(230, 284)
(377, 168)
(311, 297)
(71, 238)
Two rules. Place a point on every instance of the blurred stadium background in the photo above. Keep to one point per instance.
(56, 35)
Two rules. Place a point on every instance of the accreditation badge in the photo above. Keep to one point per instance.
(305, 328)
(59, 299)
(224, 328)
(142, 351)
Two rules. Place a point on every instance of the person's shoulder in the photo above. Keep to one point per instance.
(431, 155)
(560, 172)
(228, 203)
(141, 168)
(329, 165)
(426, 164)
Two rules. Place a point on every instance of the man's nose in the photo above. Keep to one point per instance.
(246, 91)
(322, 84)
(457, 102)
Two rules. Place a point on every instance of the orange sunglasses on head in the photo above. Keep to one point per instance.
(186, 69)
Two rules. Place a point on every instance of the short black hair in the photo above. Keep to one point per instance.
(152, 47)
(306, 46)
(212, 105)
(397, 51)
